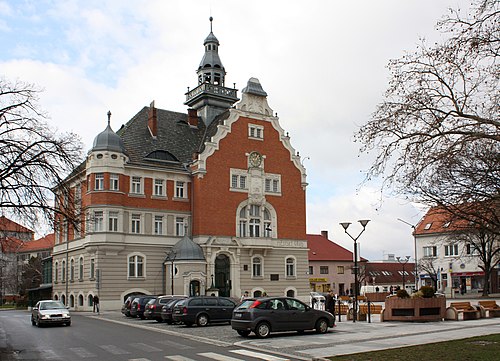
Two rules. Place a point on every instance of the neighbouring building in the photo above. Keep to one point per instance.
(445, 260)
(382, 275)
(330, 265)
(212, 201)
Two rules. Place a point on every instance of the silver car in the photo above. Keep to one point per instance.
(50, 312)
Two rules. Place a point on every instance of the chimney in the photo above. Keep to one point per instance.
(324, 234)
(153, 120)
(193, 117)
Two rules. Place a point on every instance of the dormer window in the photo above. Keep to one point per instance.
(428, 226)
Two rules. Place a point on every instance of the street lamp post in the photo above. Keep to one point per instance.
(171, 257)
(415, 250)
(403, 262)
(346, 225)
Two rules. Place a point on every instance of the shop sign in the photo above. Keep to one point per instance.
(317, 280)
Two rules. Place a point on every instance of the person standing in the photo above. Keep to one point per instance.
(330, 303)
(95, 302)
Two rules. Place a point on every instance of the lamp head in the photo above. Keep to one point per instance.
(364, 222)
(345, 225)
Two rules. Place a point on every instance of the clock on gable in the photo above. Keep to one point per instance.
(255, 159)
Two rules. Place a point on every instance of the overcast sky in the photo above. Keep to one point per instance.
(322, 63)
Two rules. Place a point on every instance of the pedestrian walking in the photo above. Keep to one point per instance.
(330, 304)
(95, 302)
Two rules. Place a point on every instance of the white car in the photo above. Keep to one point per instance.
(317, 300)
(50, 312)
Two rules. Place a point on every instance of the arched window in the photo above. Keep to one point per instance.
(80, 270)
(63, 299)
(90, 300)
(256, 221)
(290, 267)
(56, 272)
(71, 301)
(63, 273)
(136, 266)
(72, 270)
(256, 267)
(290, 293)
(80, 300)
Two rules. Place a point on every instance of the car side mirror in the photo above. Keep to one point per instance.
(35, 308)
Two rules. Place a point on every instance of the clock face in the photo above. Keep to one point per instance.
(255, 159)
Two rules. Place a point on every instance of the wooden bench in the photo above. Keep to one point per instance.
(343, 309)
(489, 308)
(374, 309)
(465, 308)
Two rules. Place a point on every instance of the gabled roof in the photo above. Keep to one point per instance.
(389, 272)
(43, 243)
(439, 220)
(10, 245)
(11, 226)
(322, 249)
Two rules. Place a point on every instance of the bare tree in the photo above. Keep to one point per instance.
(436, 134)
(31, 275)
(33, 157)
(429, 266)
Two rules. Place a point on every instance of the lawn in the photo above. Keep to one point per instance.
(482, 348)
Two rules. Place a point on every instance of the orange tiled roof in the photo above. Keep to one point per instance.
(46, 242)
(9, 225)
(439, 220)
(10, 244)
(322, 249)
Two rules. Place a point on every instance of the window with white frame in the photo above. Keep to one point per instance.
(290, 267)
(238, 181)
(72, 270)
(179, 226)
(135, 266)
(98, 221)
(159, 188)
(180, 191)
(323, 270)
(430, 251)
(114, 182)
(255, 131)
(255, 221)
(158, 226)
(113, 221)
(272, 185)
(311, 270)
(136, 223)
(63, 271)
(340, 270)
(256, 267)
(80, 268)
(92, 269)
(451, 250)
(99, 182)
(56, 272)
(136, 185)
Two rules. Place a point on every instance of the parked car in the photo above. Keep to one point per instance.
(166, 310)
(203, 310)
(128, 302)
(50, 312)
(139, 306)
(274, 314)
(154, 307)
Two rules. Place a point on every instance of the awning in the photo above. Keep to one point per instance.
(466, 274)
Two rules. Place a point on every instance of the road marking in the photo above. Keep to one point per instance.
(216, 356)
(115, 350)
(145, 347)
(82, 352)
(175, 344)
(259, 355)
(179, 358)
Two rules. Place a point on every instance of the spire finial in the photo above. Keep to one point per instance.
(109, 117)
(211, 19)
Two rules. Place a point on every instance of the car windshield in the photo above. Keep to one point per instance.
(246, 304)
(152, 301)
(53, 305)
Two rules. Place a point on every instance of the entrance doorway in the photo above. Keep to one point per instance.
(222, 275)
(194, 288)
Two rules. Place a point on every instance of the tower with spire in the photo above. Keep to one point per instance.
(211, 97)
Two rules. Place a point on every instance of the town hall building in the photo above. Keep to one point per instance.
(208, 202)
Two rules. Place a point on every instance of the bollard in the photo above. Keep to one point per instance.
(369, 313)
(339, 308)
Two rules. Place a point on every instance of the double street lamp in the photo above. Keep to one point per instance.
(415, 250)
(403, 262)
(346, 225)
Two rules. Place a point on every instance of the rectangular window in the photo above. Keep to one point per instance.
(99, 182)
(136, 223)
(80, 268)
(275, 186)
(113, 221)
(451, 250)
(323, 270)
(136, 185)
(311, 270)
(340, 270)
(179, 189)
(98, 221)
(234, 181)
(114, 182)
(243, 182)
(159, 187)
(255, 131)
(268, 185)
(179, 226)
(158, 225)
(92, 268)
(430, 251)
(243, 228)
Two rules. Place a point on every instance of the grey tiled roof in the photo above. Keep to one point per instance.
(175, 136)
(187, 250)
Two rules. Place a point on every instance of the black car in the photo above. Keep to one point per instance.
(166, 310)
(154, 307)
(203, 310)
(139, 306)
(275, 314)
(128, 303)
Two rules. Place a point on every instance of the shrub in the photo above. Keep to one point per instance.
(417, 294)
(427, 291)
(402, 294)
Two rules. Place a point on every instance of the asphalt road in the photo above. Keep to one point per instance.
(95, 339)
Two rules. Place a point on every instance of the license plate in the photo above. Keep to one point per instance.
(237, 315)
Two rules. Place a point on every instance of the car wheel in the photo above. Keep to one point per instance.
(202, 320)
(38, 323)
(263, 330)
(68, 323)
(321, 326)
(33, 321)
(243, 333)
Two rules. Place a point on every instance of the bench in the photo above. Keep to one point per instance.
(343, 309)
(374, 309)
(465, 308)
(489, 307)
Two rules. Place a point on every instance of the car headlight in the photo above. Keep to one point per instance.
(65, 315)
(45, 317)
